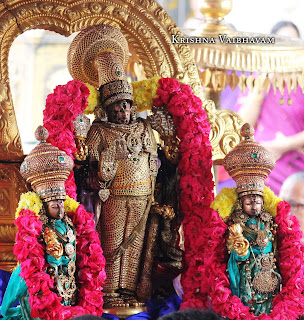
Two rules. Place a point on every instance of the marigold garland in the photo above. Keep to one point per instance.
(70, 205)
(224, 202)
(271, 201)
(93, 99)
(31, 201)
(90, 263)
(144, 92)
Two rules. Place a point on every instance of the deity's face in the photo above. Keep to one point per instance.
(119, 112)
(252, 204)
(55, 209)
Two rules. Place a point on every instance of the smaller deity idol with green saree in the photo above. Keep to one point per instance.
(251, 242)
(61, 269)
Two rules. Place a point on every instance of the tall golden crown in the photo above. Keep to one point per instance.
(98, 55)
(46, 168)
(249, 163)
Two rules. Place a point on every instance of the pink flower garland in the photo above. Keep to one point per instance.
(196, 184)
(90, 266)
(62, 107)
(204, 278)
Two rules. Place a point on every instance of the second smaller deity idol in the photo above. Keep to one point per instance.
(251, 243)
(61, 270)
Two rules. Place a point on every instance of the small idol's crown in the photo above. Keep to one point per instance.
(249, 163)
(46, 168)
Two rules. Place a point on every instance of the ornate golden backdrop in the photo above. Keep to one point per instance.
(148, 29)
(277, 64)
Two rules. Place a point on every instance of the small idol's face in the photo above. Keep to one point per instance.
(119, 112)
(252, 204)
(55, 209)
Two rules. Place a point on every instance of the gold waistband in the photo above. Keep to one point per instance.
(130, 197)
(130, 185)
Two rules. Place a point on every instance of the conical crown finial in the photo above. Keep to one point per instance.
(41, 134)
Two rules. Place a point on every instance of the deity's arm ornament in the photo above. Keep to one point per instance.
(236, 240)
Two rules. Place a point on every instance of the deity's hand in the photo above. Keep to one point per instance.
(81, 126)
(241, 247)
(236, 230)
(109, 154)
(171, 149)
(239, 243)
(53, 246)
(164, 210)
(121, 149)
(162, 122)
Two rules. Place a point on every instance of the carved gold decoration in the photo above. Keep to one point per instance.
(5, 176)
(225, 128)
(124, 313)
(5, 201)
(215, 9)
(146, 25)
(10, 143)
(11, 187)
(7, 257)
(220, 79)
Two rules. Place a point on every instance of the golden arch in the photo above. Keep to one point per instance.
(148, 29)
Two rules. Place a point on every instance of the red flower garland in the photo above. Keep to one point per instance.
(62, 107)
(90, 266)
(196, 184)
